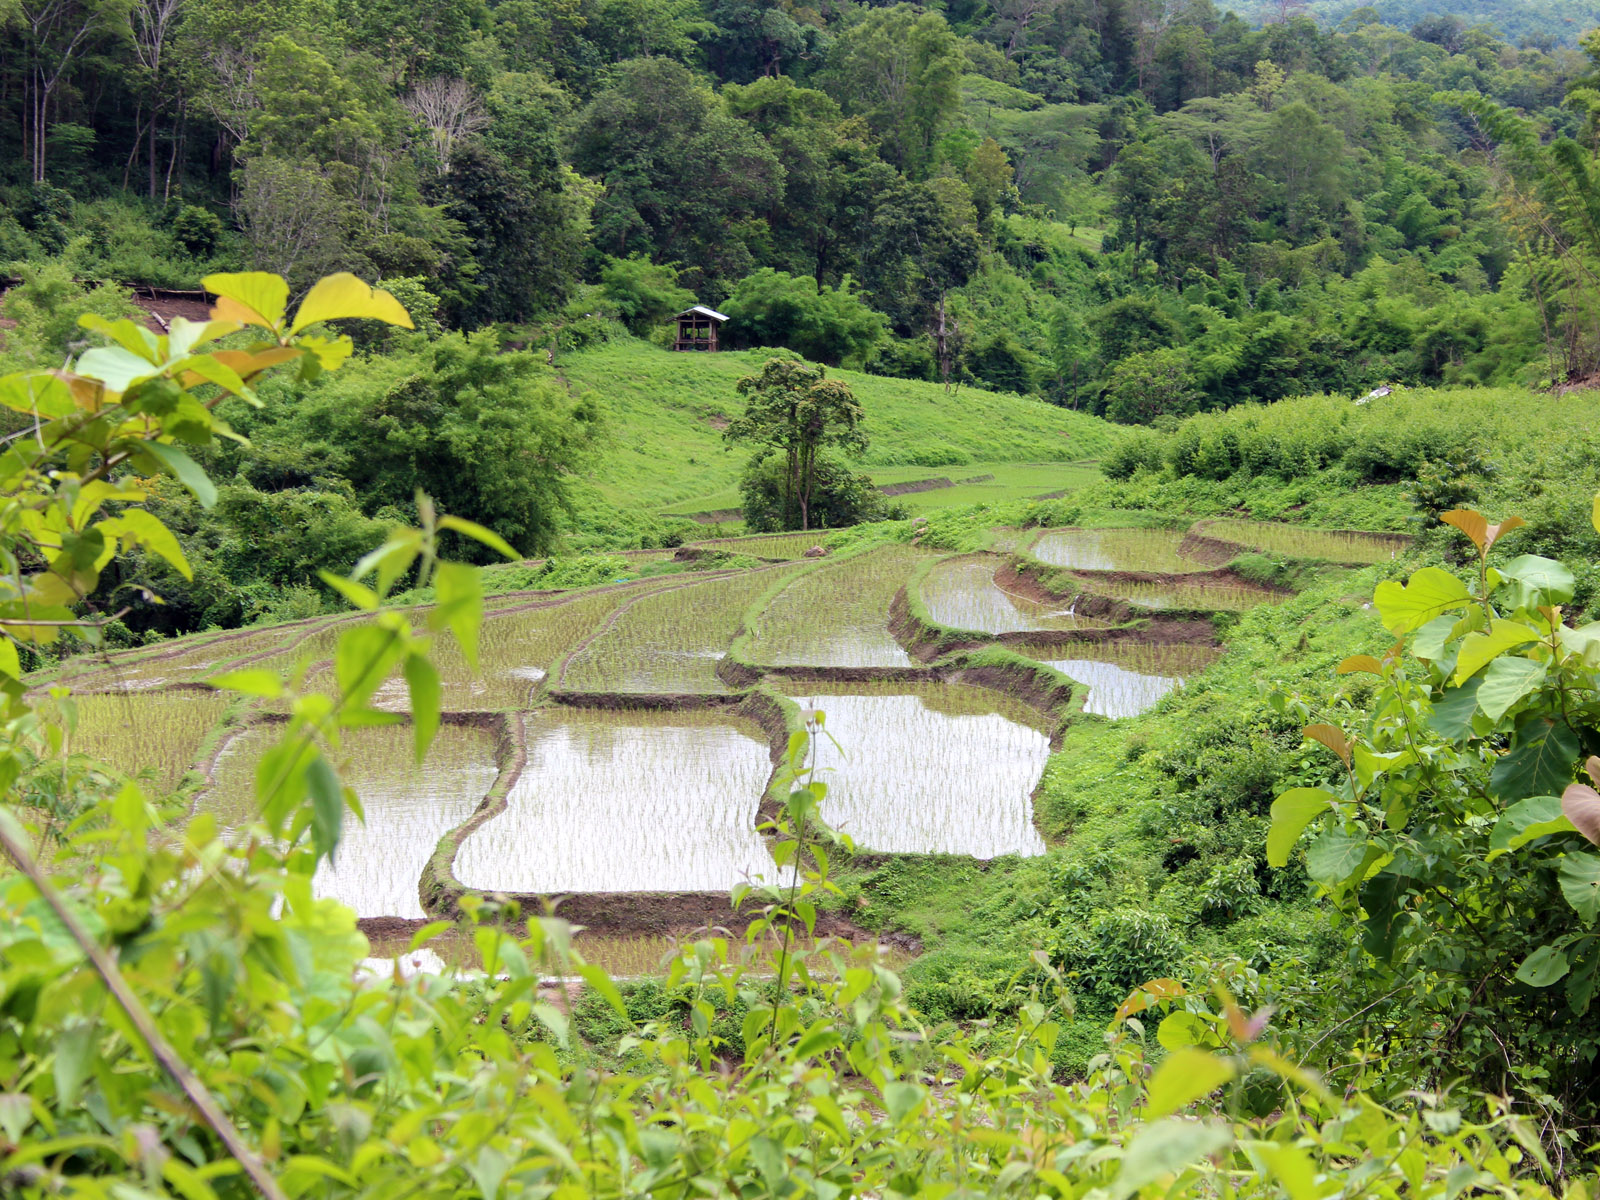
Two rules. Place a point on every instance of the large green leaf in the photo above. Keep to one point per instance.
(1542, 580)
(1431, 593)
(1453, 711)
(185, 470)
(1334, 856)
(1291, 813)
(1543, 967)
(1580, 884)
(1540, 762)
(1507, 681)
(1185, 1076)
(1163, 1149)
(1383, 898)
(1480, 648)
(1527, 821)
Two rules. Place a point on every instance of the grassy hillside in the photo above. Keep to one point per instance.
(667, 410)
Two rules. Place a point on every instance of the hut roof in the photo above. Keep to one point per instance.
(703, 311)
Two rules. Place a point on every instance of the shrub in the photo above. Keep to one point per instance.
(1144, 451)
(839, 497)
(643, 293)
(829, 325)
(1154, 384)
(199, 231)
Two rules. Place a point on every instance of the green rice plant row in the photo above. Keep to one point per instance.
(1297, 541)
(836, 614)
(669, 640)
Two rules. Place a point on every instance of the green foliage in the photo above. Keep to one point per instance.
(839, 496)
(794, 411)
(482, 431)
(644, 294)
(829, 325)
(1156, 383)
(1456, 841)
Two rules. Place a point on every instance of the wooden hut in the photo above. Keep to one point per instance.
(698, 328)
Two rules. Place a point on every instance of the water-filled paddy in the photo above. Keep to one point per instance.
(930, 769)
(837, 614)
(407, 808)
(1155, 550)
(669, 640)
(1300, 542)
(1125, 679)
(626, 801)
(1201, 595)
(962, 593)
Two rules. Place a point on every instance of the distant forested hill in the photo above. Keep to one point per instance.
(1531, 22)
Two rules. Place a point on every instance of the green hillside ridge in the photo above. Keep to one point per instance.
(665, 448)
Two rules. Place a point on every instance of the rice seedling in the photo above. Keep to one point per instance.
(668, 640)
(930, 769)
(1199, 595)
(625, 801)
(767, 545)
(154, 737)
(837, 615)
(962, 593)
(1011, 541)
(1297, 541)
(407, 808)
(516, 649)
(1116, 550)
(1125, 679)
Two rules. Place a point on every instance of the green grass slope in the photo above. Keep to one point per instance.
(666, 412)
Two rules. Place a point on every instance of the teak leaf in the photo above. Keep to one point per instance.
(343, 296)
(1581, 805)
(1332, 737)
(249, 297)
(1291, 813)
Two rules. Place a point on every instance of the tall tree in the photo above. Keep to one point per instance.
(55, 35)
(900, 68)
(794, 409)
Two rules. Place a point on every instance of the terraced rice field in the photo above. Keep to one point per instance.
(837, 614)
(155, 737)
(1125, 678)
(663, 797)
(1198, 596)
(767, 545)
(1297, 541)
(1116, 550)
(627, 801)
(929, 769)
(962, 593)
(671, 639)
(408, 808)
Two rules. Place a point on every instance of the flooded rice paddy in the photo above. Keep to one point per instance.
(1203, 595)
(1300, 542)
(629, 800)
(1154, 550)
(837, 615)
(930, 769)
(626, 801)
(774, 545)
(670, 640)
(408, 808)
(1127, 678)
(962, 593)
